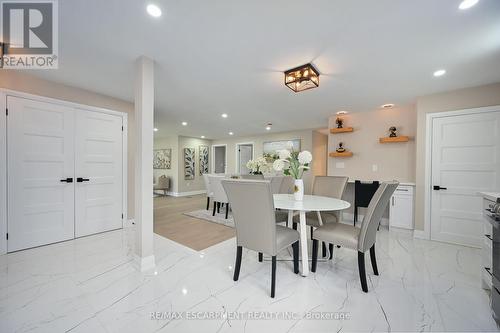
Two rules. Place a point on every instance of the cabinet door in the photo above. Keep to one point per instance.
(401, 211)
(40, 167)
(99, 170)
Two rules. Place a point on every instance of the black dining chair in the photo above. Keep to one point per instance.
(363, 194)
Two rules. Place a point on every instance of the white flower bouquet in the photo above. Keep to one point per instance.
(258, 166)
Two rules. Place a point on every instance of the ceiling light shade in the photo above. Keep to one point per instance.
(231, 133)
(155, 129)
(439, 72)
(387, 106)
(184, 123)
(302, 78)
(341, 112)
(466, 4)
(269, 126)
(224, 115)
(203, 137)
(153, 10)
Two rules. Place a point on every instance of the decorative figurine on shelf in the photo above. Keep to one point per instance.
(340, 122)
(392, 131)
(340, 148)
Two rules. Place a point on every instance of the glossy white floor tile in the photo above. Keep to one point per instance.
(90, 285)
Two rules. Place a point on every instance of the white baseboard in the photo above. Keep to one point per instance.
(421, 234)
(186, 194)
(144, 264)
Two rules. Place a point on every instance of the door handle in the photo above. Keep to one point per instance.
(67, 180)
(437, 188)
(81, 180)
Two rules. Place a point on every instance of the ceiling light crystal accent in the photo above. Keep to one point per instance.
(153, 10)
(302, 78)
(466, 4)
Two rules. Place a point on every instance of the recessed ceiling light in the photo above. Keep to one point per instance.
(341, 112)
(439, 72)
(231, 133)
(466, 4)
(387, 106)
(268, 126)
(184, 123)
(224, 115)
(153, 10)
(155, 129)
(203, 137)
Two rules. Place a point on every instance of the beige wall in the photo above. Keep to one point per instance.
(320, 153)
(487, 95)
(306, 141)
(172, 173)
(394, 160)
(23, 82)
(196, 184)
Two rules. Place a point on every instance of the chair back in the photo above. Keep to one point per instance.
(253, 211)
(163, 182)
(254, 177)
(330, 186)
(286, 185)
(276, 184)
(206, 180)
(363, 192)
(218, 193)
(374, 213)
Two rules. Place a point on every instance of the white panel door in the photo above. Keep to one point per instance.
(245, 154)
(98, 172)
(40, 155)
(465, 160)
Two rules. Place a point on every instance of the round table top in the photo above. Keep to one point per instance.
(310, 203)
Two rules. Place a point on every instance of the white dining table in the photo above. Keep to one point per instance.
(310, 203)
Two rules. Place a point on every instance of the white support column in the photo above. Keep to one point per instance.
(144, 112)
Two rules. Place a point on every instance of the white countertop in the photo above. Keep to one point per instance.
(493, 196)
(351, 181)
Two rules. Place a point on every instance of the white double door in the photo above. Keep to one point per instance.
(465, 161)
(64, 173)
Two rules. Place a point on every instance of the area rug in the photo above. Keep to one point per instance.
(219, 218)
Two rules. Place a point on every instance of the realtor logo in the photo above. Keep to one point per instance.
(29, 34)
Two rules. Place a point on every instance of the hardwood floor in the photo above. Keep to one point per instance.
(170, 222)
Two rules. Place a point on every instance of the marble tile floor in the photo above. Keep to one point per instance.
(90, 285)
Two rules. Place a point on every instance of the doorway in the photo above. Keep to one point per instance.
(465, 160)
(220, 158)
(244, 153)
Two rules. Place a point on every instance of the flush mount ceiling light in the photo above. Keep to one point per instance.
(387, 106)
(203, 137)
(302, 78)
(224, 115)
(155, 129)
(341, 112)
(439, 72)
(184, 123)
(466, 4)
(268, 126)
(231, 133)
(153, 10)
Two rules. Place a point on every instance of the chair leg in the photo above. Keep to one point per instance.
(362, 272)
(218, 207)
(294, 226)
(273, 276)
(260, 257)
(237, 266)
(355, 215)
(215, 207)
(227, 210)
(314, 255)
(323, 248)
(312, 231)
(374, 260)
(208, 203)
(295, 247)
(330, 247)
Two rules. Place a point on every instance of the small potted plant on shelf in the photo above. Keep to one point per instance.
(294, 164)
(258, 166)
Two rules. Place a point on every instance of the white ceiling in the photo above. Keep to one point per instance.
(227, 56)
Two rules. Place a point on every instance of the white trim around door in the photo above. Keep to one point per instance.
(426, 233)
(237, 153)
(4, 93)
(213, 157)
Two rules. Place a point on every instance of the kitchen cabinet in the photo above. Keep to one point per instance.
(401, 208)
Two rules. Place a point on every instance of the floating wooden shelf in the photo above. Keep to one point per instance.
(344, 154)
(341, 130)
(395, 139)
